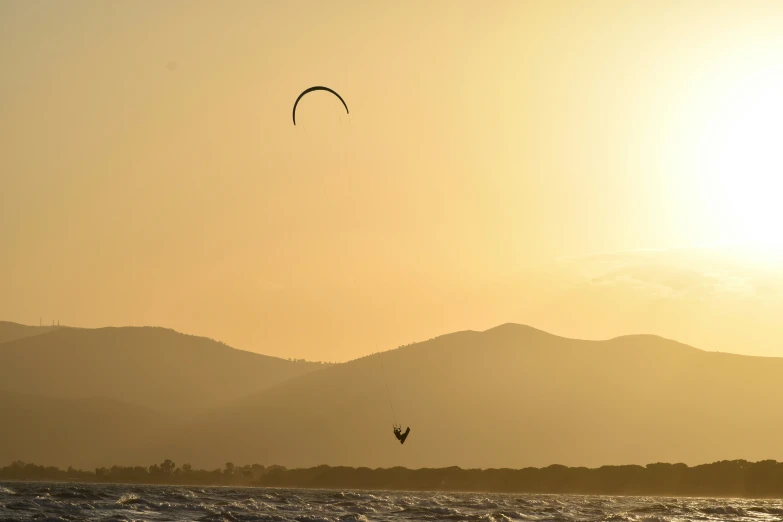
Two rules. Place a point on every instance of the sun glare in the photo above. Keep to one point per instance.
(741, 161)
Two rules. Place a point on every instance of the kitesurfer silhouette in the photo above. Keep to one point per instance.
(401, 436)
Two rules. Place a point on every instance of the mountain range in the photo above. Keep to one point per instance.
(508, 397)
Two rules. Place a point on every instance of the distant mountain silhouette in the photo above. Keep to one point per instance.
(157, 368)
(511, 396)
(61, 431)
(11, 331)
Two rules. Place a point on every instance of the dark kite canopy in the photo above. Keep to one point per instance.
(317, 88)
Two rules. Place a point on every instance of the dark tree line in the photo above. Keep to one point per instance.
(166, 472)
(737, 478)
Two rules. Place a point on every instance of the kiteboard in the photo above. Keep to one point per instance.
(405, 435)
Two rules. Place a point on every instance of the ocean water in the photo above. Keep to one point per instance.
(72, 502)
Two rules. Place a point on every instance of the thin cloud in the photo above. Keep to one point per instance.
(688, 273)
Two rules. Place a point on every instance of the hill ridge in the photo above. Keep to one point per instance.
(510, 397)
(153, 366)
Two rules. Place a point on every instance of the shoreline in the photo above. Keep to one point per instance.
(736, 479)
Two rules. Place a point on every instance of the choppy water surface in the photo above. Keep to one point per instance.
(37, 501)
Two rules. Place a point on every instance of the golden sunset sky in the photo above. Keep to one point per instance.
(588, 168)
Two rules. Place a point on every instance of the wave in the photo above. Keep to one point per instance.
(117, 503)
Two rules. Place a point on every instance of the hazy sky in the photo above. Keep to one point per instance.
(502, 162)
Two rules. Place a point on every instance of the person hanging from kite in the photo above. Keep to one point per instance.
(397, 429)
(401, 436)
